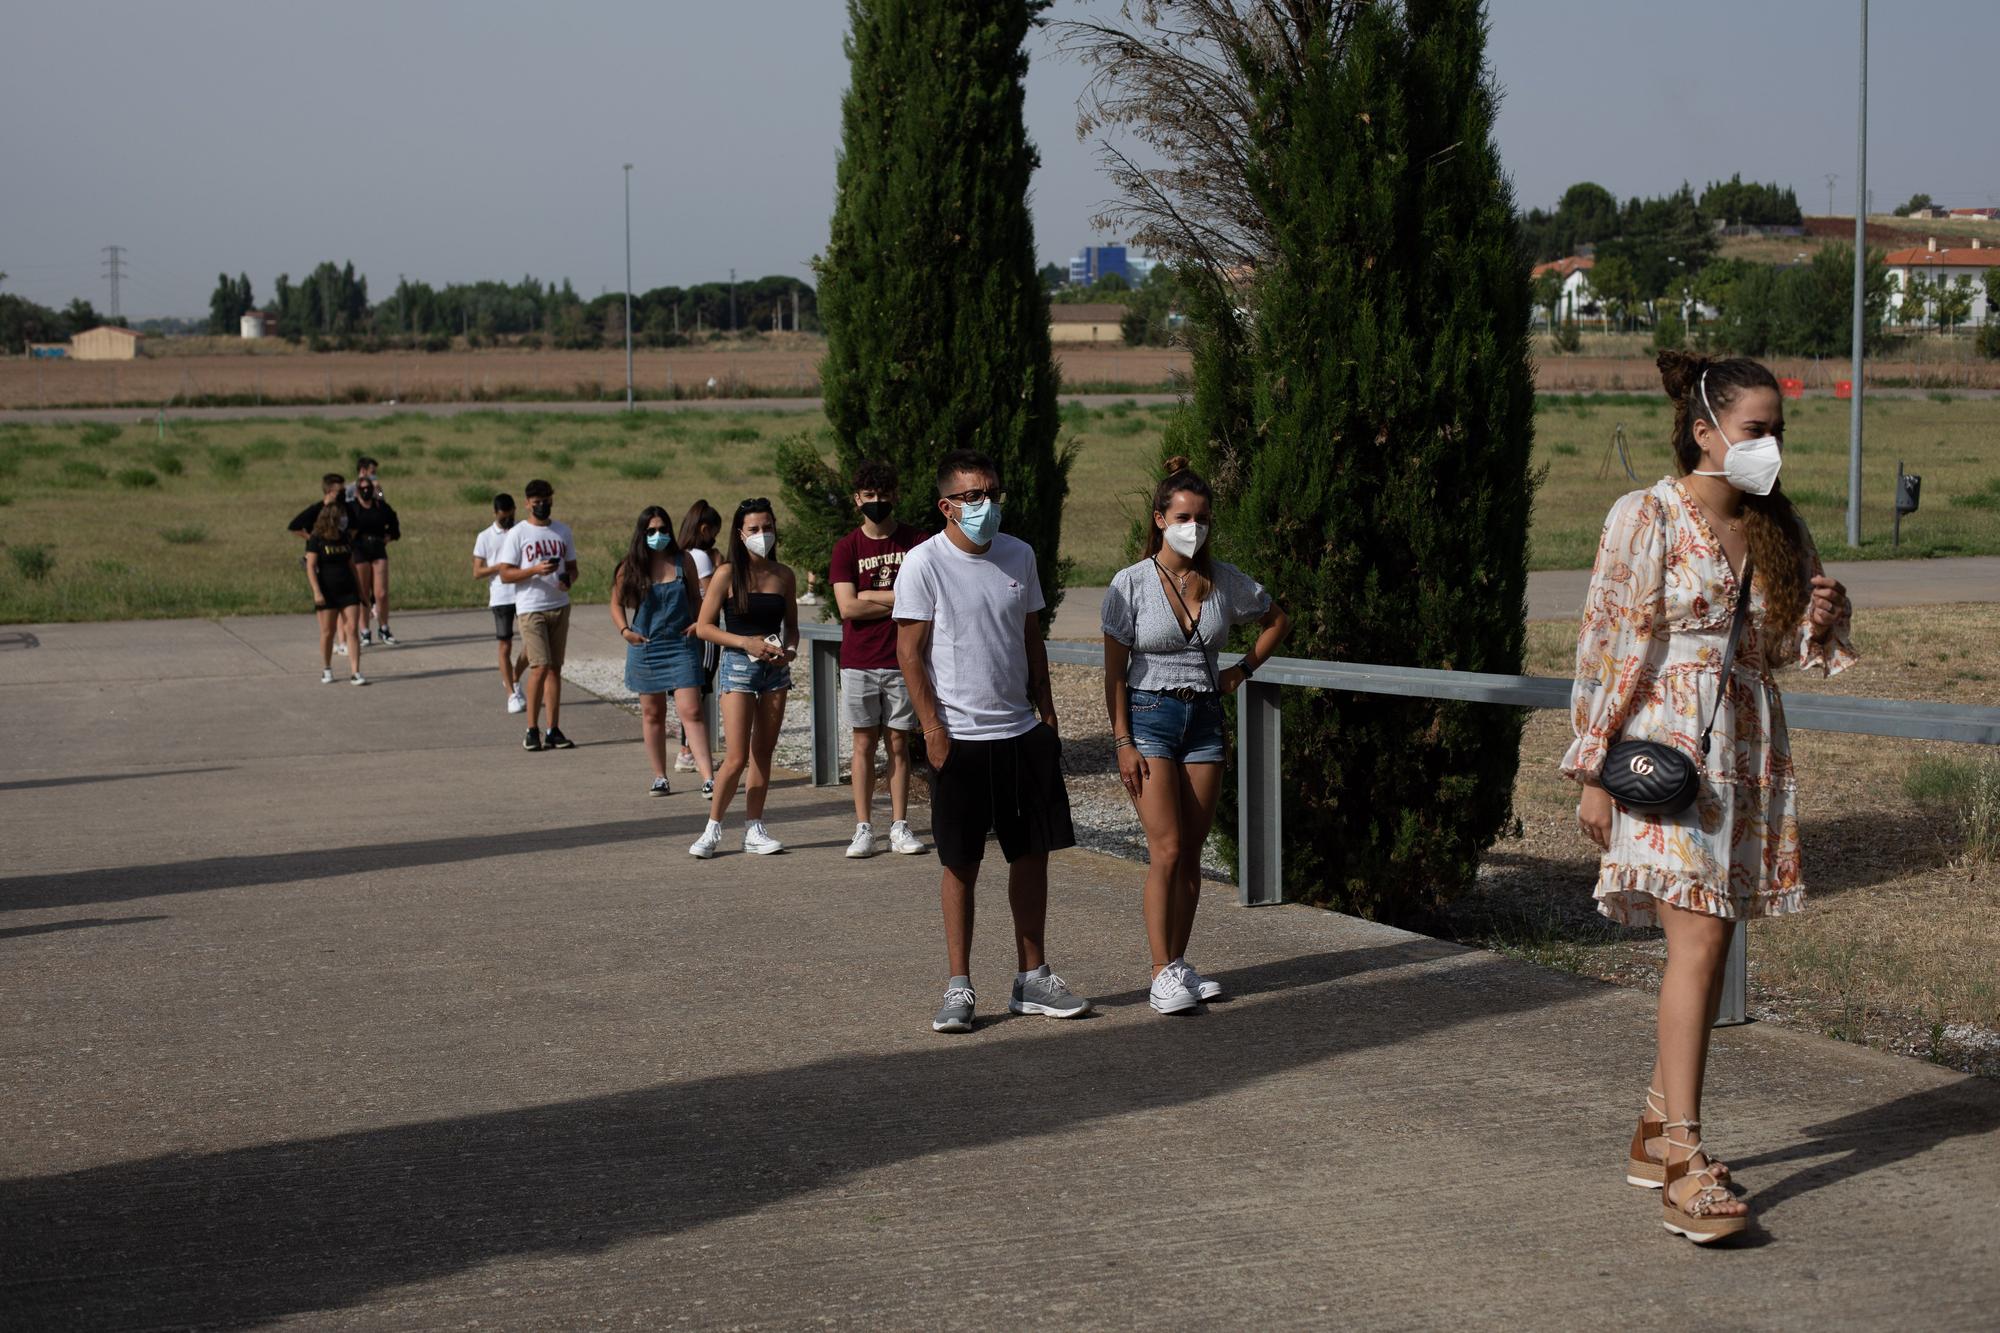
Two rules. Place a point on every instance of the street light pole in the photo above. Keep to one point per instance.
(1860, 297)
(628, 286)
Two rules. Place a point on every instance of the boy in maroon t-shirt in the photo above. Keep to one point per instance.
(873, 697)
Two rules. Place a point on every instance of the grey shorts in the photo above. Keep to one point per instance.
(871, 699)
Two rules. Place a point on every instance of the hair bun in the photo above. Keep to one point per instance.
(1178, 463)
(1680, 371)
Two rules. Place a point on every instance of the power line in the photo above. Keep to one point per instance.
(114, 268)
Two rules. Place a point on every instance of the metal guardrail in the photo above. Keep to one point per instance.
(1259, 760)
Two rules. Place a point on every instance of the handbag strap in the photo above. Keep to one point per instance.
(1736, 619)
(1190, 631)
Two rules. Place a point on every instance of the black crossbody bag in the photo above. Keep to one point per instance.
(1649, 778)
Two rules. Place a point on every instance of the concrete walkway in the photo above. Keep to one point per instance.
(1557, 594)
(334, 1005)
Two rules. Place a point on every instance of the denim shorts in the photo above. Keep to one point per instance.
(740, 675)
(1187, 731)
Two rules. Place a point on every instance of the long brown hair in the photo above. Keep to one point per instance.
(633, 578)
(700, 515)
(326, 525)
(1771, 526)
(739, 554)
(1180, 477)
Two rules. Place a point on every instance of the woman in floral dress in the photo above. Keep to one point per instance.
(1648, 667)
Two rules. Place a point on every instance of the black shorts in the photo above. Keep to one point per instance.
(339, 600)
(503, 623)
(370, 549)
(1011, 788)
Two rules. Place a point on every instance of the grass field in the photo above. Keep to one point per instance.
(103, 522)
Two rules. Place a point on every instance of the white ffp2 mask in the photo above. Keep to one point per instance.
(1186, 538)
(1752, 466)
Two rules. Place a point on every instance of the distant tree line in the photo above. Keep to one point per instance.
(23, 321)
(330, 308)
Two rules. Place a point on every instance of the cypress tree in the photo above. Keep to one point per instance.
(1381, 486)
(936, 322)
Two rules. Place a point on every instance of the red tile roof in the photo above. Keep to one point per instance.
(1986, 256)
(1565, 267)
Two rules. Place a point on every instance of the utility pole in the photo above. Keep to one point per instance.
(795, 307)
(1860, 297)
(1831, 178)
(628, 286)
(732, 300)
(402, 306)
(114, 268)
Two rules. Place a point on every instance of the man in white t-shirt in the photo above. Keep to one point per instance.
(500, 596)
(969, 643)
(538, 560)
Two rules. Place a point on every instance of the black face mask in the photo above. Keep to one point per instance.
(505, 521)
(540, 509)
(364, 492)
(875, 511)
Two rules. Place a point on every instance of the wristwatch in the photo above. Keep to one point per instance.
(1245, 667)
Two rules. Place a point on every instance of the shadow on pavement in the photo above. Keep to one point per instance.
(252, 1234)
(79, 923)
(77, 888)
(1880, 1136)
(31, 784)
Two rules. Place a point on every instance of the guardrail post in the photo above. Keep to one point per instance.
(1259, 797)
(825, 712)
(1735, 981)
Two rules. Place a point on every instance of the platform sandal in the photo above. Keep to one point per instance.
(1641, 1167)
(1695, 1216)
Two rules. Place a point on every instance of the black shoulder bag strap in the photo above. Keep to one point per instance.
(1736, 619)
(1191, 627)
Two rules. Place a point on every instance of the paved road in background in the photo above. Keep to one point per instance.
(362, 411)
(334, 1004)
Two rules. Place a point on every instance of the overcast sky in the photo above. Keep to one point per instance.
(482, 138)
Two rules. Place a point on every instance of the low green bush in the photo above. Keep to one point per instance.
(194, 534)
(138, 478)
(35, 562)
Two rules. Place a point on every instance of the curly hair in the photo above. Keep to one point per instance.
(1178, 478)
(1771, 526)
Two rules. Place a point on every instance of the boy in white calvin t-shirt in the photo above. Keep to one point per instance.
(500, 596)
(539, 559)
(969, 643)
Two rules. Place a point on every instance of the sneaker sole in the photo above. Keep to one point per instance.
(952, 1027)
(917, 850)
(764, 851)
(1046, 1011)
(1208, 993)
(658, 792)
(1174, 1006)
(853, 855)
(702, 854)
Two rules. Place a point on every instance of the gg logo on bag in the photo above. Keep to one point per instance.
(1642, 765)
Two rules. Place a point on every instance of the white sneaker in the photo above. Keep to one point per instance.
(357, 679)
(758, 841)
(902, 840)
(710, 839)
(864, 842)
(684, 762)
(1199, 984)
(516, 704)
(1170, 993)
(326, 675)
(340, 647)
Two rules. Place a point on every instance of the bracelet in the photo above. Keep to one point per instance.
(1120, 742)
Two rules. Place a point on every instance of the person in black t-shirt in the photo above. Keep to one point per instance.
(372, 525)
(336, 598)
(331, 493)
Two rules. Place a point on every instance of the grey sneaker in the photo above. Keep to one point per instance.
(1043, 992)
(956, 1014)
(1199, 984)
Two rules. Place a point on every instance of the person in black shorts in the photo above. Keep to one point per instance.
(969, 643)
(336, 598)
(500, 597)
(301, 526)
(372, 525)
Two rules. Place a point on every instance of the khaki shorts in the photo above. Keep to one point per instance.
(545, 636)
(870, 699)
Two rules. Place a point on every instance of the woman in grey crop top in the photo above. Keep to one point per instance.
(1165, 620)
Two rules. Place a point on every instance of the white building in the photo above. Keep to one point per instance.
(1971, 262)
(1576, 292)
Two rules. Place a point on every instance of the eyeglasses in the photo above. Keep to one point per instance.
(975, 495)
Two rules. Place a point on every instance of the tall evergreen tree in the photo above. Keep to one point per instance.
(936, 320)
(1381, 484)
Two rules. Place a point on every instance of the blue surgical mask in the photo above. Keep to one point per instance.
(659, 539)
(979, 521)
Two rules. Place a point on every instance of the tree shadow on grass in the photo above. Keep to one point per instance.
(77, 888)
(248, 1235)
